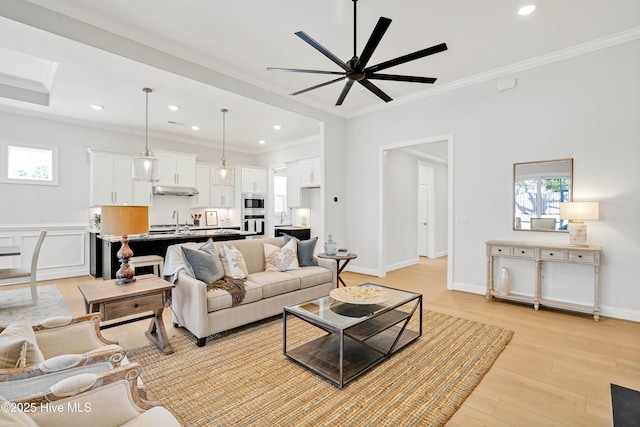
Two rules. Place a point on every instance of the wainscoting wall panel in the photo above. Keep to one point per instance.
(64, 251)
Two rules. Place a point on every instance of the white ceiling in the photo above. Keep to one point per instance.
(243, 38)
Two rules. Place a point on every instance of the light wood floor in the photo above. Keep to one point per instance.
(555, 371)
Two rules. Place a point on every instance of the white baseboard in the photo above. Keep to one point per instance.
(620, 313)
(402, 264)
(472, 289)
(606, 311)
(360, 270)
(441, 254)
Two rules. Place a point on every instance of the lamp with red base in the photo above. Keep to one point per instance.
(123, 221)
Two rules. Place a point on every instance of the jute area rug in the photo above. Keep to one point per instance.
(242, 378)
(15, 303)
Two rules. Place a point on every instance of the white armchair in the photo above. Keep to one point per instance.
(26, 346)
(35, 357)
(109, 399)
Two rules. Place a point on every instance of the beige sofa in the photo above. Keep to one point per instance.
(205, 312)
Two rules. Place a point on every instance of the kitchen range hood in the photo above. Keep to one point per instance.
(166, 190)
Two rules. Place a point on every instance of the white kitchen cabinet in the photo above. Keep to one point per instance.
(203, 184)
(111, 182)
(310, 172)
(293, 185)
(142, 193)
(253, 180)
(222, 197)
(177, 169)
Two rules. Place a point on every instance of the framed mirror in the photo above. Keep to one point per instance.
(539, 188)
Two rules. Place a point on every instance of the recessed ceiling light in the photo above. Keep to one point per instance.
(277, 127)
(174, 107)
(262, 141)
(525, 10)
(97, 107)
(195, 127)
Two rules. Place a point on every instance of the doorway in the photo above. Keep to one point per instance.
(429, 198)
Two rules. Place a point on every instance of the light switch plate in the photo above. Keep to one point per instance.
(462, 219)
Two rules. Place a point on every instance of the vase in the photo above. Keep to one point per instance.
(504, 282)
(330, 247)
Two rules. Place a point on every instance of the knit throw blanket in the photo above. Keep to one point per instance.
(235, 287)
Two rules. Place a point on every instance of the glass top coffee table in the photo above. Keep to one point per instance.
(360, 333)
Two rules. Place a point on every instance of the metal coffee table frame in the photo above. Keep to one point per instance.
(353, 345)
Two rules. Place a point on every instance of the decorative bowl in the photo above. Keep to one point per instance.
(360, 295)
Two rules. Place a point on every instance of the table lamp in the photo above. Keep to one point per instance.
(122, 221)
(576, 213)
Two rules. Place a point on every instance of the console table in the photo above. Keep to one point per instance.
(540, 253)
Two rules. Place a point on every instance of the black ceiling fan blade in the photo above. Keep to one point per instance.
(398, 78)
(317, 46)
(372, 43)
(406, 58)
(375, 89)
(345, 91)
(317, 86)
(298, 70)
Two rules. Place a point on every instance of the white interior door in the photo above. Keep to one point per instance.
(423, 200)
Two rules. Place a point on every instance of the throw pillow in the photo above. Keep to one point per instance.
(211, 248)
(281, 259)
(306, 249)
(202, 264)
(233, 262)
(18, 346)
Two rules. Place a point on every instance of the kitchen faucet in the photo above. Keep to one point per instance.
(176, 215)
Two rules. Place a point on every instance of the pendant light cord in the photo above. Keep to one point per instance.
(146, 123)
(224, 133)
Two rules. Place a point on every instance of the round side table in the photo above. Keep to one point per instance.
(344, 258)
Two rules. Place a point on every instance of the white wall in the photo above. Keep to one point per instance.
(64, 209)
(400, 210)
(68, 203)
(586, 107)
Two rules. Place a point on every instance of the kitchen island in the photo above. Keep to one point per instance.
(157, 244)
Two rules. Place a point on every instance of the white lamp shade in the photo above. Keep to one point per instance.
(123, 220)
(146, 168)
(579, 211)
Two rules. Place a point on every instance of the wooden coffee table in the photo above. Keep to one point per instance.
(147, 293)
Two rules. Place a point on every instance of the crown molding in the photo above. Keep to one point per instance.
(560, 55)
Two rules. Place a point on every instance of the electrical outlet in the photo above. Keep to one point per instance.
(462, 219)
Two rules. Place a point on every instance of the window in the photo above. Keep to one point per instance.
(29, 164)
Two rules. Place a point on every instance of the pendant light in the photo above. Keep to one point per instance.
(223, 174)
(146, 167)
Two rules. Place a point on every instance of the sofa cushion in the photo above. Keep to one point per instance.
(204, 265)
(18, 346)
(233, 262)
(275, 282)
(281, 259)
(12, 415)
(311, 276)
(218, 299)
(306, 250)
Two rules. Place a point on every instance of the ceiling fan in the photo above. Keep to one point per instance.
(356, 70)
